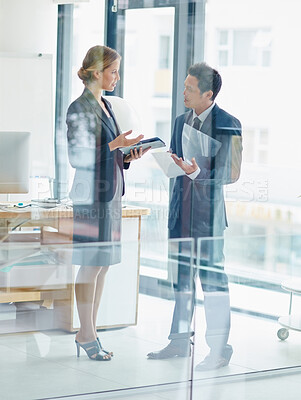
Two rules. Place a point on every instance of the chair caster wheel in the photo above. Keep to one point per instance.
(283, 333)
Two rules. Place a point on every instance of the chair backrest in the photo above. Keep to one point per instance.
(126, 116)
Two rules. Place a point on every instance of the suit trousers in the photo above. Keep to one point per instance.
(214, 283)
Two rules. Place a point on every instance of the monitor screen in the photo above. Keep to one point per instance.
(14, 162)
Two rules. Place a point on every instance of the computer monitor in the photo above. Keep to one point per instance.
(14, 162)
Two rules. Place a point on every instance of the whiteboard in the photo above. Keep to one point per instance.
(26, 104)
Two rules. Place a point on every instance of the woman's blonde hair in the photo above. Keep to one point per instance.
(98, 58)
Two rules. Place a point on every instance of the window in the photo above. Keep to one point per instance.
(255, 142)
(163, 75)
(88, 22)
(248, 47)
(148, 87)
(164, 52)
(163, 129)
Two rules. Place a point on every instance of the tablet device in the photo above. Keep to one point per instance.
(154, 143)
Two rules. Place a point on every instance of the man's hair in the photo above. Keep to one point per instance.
(208, 78)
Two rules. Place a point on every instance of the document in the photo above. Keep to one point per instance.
(153, 143)
(167, 164)
(198, 144)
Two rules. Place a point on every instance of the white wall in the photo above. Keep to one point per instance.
(29, 27)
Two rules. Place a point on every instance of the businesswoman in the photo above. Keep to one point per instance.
(94, 139)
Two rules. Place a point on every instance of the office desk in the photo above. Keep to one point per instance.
(14, 218)
(53, 285)
(58, 218)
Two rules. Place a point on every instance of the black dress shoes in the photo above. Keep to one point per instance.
(176, 348)
(212, 362)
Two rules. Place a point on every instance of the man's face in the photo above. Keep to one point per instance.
(193, 97)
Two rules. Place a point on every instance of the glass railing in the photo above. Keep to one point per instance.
(42, 294)
(149, 321)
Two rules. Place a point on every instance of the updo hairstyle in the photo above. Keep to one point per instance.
(98, 58)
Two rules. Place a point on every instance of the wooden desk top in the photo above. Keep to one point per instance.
(61, 211)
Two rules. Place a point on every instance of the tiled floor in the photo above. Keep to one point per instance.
(44, 365)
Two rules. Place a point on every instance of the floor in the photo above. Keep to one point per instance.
(43, 365)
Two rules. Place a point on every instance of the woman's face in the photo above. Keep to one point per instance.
(110, 76)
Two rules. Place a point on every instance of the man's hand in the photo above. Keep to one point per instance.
(188, 168)
(135, 154)
(122, 141)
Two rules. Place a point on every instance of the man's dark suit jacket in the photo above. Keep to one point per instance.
(89, 132)
(197, 207)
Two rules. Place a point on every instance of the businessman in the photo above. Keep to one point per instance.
(210, 156)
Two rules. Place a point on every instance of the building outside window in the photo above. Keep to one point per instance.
(244, 47)
(164, 52)
(256, 144)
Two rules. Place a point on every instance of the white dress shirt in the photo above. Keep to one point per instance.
(202, 118)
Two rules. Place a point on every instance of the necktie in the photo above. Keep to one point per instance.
(196, 123)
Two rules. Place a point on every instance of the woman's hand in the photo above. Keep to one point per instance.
(188, 168)
(122, 141)
(135, 154)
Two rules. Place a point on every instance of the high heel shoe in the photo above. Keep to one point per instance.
(109, 353)
(92, 349)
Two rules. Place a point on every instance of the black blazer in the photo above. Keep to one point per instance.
(197, 207)
(89, 132)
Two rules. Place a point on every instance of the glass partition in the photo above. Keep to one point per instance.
(264, 303)
(196, 318)
(39, 320)
(246, 310)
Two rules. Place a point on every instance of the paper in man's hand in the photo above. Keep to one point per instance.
(197, 143)
(167, 164)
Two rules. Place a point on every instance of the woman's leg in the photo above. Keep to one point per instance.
(98, 293)
(88, 291)
(85, 290)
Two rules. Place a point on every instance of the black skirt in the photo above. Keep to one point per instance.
(94, 224)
